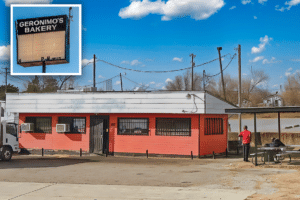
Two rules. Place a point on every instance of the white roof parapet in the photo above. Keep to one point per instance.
(178, 102)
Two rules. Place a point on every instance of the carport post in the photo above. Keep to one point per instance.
(279, 126)
(255, 134)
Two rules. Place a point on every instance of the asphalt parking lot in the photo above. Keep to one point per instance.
(183, 175)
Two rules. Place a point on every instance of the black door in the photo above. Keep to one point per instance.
(99, 134)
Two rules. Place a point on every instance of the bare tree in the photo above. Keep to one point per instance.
(291, 95)
(184, 82)
(254, 87)
(231, 88)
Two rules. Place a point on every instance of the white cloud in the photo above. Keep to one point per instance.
(168, 80)
(262, 1)
(261, 47)
(196, 9)
(254, 17)
(125, 62)
(177, 59)
(4, 52)
(135, 62)
(163, 88)
(263, 84)
(289, 4)
(275, 86)
(232, 7)
(288, 71)
(89, 81)
(273, 60)
(152, 83)
(117, 83)
(132, 63)
(246, 2)
(279, 9)
(244, 74)
(8, 2)
(295, 60)
(258, 58)
(84, 29)
(86, 61)
(280, 76)
(159, 84)
(101, 76)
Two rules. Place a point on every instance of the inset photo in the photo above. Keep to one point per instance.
(45, 39)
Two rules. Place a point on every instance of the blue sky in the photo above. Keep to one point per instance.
(32, 12)
(160, 35)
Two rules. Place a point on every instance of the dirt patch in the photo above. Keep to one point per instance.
(288, 187)
(286, 184)
(230, 173)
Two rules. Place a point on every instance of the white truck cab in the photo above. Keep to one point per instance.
(9, 141)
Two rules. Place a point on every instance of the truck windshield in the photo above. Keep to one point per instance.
(11, 129)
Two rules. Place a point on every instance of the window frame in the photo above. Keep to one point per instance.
(71, 124)
(140, 134)
(34, 121)
(189, 120)
(208, 130)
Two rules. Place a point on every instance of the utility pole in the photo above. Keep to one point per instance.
(94, 72)
(203, 80)
(6, 68)
(219, 50)
(193, 64)
(70, 19)
(121, 82)
(44, 67)
(240, 86)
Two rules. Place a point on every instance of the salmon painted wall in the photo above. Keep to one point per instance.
(177, 145)
(54, 140)
(174, 145)
(210, 143)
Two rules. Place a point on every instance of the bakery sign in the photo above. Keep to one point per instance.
(43, 39)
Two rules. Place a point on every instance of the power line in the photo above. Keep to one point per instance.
(175, 70)
(224, 68)
(102, 81)
(138, 83)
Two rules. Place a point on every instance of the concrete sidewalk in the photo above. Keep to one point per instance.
(51, 191)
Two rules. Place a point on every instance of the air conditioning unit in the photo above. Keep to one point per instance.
(61, 128)
(27, 127)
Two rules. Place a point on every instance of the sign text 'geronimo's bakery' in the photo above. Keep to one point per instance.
(42, 24)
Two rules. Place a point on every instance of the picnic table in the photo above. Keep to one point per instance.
(276, 153)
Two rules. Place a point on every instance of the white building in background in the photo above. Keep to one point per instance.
(273, 101)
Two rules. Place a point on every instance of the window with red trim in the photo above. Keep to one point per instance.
(213, 126)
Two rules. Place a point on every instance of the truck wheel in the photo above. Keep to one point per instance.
(6, 154)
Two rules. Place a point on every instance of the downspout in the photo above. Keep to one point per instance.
(199, 138)
(199, 122)
(204, 102)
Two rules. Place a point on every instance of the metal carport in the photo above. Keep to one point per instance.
(256, 110)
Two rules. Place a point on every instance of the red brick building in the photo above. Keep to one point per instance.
(170, 123)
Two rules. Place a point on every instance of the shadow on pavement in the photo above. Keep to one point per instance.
(40, 162)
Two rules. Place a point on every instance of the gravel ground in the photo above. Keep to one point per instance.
(221, 173)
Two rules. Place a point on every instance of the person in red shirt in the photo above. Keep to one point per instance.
(246, 142)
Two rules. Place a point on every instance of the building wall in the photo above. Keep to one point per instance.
(179, 145)
(174, 145)
(54, 140)
(213, 143)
